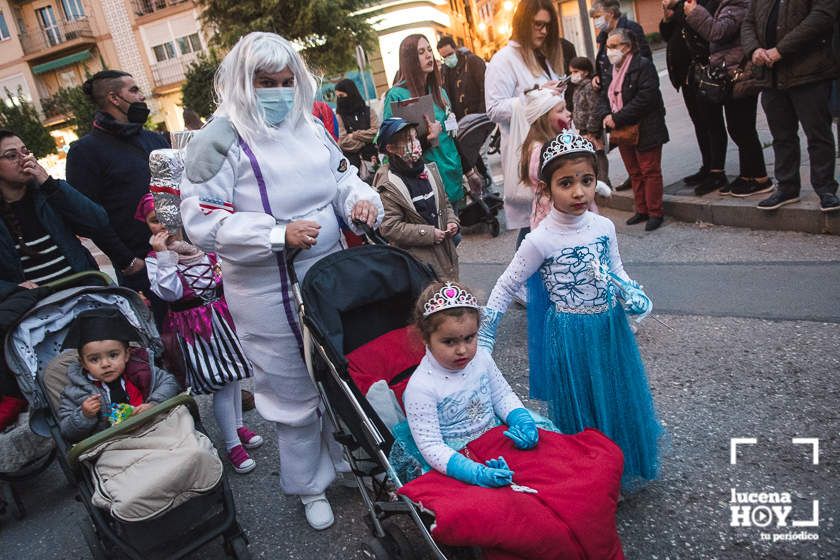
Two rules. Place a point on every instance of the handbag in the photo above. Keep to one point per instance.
(627, 135)
(714, 83)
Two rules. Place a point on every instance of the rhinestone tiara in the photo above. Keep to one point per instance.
(448, 297)
(567, 142)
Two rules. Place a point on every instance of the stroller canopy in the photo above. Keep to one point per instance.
(353, 296)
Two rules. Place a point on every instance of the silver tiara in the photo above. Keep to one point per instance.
(448, 297)
(567, 142)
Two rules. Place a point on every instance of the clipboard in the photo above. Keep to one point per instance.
(413, 110)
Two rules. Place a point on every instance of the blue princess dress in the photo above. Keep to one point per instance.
(583, 356)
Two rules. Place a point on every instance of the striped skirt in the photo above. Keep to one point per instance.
(216, 360)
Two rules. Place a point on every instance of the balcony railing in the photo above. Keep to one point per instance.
(146, 7)
(172, 71)
(38, 40)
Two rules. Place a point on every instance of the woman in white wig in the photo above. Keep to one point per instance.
(261, 177)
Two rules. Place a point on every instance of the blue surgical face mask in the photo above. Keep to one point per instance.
(451, 60)
(276, 102)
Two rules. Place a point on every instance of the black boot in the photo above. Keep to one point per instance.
(637, 219)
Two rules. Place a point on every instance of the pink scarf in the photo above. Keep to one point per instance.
(614, 91)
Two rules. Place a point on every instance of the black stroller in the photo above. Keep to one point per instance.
(483, 207)
(337, 319)
(33, 353)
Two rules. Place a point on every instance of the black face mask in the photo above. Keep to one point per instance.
(137, 112)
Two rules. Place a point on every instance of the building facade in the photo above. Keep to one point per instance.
(47, 45)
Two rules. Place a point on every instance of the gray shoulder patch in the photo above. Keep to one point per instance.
(208, 149)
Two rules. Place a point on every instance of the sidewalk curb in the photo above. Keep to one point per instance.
(804, 216)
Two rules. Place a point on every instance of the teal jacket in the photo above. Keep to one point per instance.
(445, 154)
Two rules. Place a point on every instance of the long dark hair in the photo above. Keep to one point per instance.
(8, 215)
(417, 82)
(523, 29)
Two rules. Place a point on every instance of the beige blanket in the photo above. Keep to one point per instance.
(144, 473)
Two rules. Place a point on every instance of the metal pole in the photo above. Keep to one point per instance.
(587, 32)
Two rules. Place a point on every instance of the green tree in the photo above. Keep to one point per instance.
(327, 30)
(197, 91)
(75, 105)
(22, 118)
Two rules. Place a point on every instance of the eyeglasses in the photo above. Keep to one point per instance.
(541, 25)
(15, 155)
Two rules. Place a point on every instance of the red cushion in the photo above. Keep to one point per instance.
(386, 357)
(10, 409)
(572, 516)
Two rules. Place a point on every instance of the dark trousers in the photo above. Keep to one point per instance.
(785, 110)
(740, 123)
(140, 283)
(701, 130)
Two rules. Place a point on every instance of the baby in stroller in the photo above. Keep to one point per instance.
(109, 373)
(156, 464)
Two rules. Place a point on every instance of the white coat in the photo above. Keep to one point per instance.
(505, 82)
(306, 178)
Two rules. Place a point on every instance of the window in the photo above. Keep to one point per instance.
(4, 29)
(73, 9)
(49, 25)
(164, 51)
(189, 43)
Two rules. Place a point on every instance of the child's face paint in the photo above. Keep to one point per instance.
(560, 117)
(105, 360)
(572, 186)
(409, 149)
(455, 341)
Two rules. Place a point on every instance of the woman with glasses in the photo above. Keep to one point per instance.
(534, 57)
(41, 218)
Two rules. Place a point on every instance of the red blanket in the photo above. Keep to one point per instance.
(571, 517)
(385, 358)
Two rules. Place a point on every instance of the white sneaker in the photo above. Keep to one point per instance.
(318, 511)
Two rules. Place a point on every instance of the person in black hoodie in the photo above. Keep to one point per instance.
(110, 165)
(357, 127)
(685, 50)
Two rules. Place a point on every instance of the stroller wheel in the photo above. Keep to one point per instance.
(495, 228)
(238, 548)
(374, 548)
(92, 541)
(401, 546)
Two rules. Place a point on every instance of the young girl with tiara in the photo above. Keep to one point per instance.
(455, 395)
(190, 280)
(583, 357)
(542, 117)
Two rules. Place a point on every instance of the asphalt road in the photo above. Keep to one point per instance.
(751, 350)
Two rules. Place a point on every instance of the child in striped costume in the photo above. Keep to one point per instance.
(190, 280)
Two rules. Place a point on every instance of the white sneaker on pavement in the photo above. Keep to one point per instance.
(318, 511)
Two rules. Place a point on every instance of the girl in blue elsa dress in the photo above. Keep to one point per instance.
(584, 361)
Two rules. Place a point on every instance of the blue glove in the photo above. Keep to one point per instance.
(636, 301)
(522, 429)
(468, 471)
(487, 330)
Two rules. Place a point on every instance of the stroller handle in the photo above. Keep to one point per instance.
(79, 279)
(372, 237)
